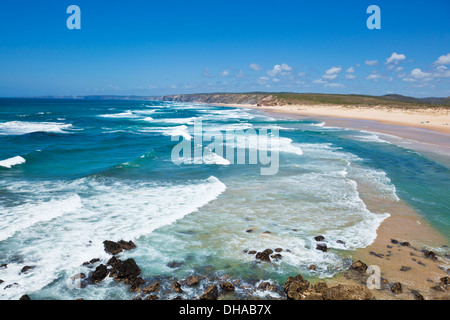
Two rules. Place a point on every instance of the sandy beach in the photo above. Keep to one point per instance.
(403, 238)
(437, 119)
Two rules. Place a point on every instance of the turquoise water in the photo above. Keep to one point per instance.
(76, 173)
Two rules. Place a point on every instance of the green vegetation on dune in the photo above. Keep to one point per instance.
(286, 98)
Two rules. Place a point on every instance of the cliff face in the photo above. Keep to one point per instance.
(278, 99)
(226, 98)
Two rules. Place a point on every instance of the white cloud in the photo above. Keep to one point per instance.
(225, 73)
(350, 70)
(371, 62)
(301, 74)
(332, 73)
(334, 85)
(445, 59)
(442, 72)
(350, 76)
(255, 67)
(374, 77)
(419, 74)
(395, 58)
(320, 81)
(276, 80)
(278, 69)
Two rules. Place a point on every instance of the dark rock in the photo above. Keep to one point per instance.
(127, 269)
(227, 286)
(112, 262)
(138, 298)
(445, 280)
(177, 287)
(347, 292)
(1, 281)
(26, 269)
(269, 251)
(112, 247)
(152, 297)
(278, 250)
(174, 264)
(319, 287)
(252, 252)
(99, 274)
(322, 247)
(403, 268)
(394, 241)
(276, 256)
(128, 272)
(430, 254)
(294, 287)
(250, 230)
(211, 293)
(438, 288)
(192, 281)
(151, 288)
(266, 286)
(91, 262)
(4, 266)
(127, 245)
(319, 238)
(12, 285)
(312, 267)
(25, 298)
(267, 232)
(417, 295)
(396, 288)
(378, 255)
(263, 256)
(341, 242)
(359, 266)
(177, 298)
(405, 244)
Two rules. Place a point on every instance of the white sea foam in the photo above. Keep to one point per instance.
(178, 120)
(179, 131)
(63, 233)
(8, 163)
(126, 114)
(27, 215)
(23, 127)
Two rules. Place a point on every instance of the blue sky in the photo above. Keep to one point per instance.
(168, 47)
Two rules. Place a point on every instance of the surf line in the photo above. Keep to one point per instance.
(262, 147)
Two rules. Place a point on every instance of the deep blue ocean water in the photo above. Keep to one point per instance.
(74, 173)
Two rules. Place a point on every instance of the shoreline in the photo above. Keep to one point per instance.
(437, 120)
(423, 273)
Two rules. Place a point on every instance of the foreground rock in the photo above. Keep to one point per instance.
(192, 281)
(99, 274)
(359, 266)
(211, 293)
(126, 271)
(347, 292)
(227, 286)
(117, 247)
(295, 287)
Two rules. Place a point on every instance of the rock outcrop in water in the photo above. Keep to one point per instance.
(117, 247)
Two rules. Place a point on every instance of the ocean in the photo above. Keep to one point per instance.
(74, 173)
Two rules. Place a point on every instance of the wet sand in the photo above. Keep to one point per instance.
(405, 224)
(436, 119)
